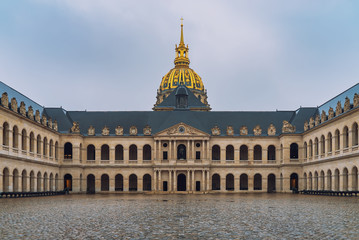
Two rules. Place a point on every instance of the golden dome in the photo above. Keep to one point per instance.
(181, 74)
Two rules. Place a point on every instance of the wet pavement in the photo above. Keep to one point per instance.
(211, 216)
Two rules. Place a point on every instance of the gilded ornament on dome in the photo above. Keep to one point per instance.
(323, 116)
(105, 131)
(37, 116)
(14, 104)
(243, 131)
(271, 130)
(119, 130)
(230, 131)
(30, 113)
(257, 130)
(75, 127)
(346, 104)
(330, 113)
(22, 109)
(216, 131)
(338, 109)
(133, 130)
(317, 120)
(356, 100)
(91, 131)
(311, 122)
(287, 127)
(306, 126)
(147, 130)
(5, 100)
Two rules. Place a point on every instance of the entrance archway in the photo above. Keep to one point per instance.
(147, 182)
(181, 182)
(68, 181)
(91, 183)
(271, 183)
(294, 181)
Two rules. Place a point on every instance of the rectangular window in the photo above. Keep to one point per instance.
(198, 155)
(165, 156)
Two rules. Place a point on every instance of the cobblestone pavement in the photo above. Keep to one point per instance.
(211, 216)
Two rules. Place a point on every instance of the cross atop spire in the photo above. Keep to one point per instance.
(181, 41)
(181, 51)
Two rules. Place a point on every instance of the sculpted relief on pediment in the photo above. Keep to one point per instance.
(181, 129)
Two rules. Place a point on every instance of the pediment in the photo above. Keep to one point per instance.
(181, 130)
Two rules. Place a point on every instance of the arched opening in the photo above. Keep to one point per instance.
(15, 180)
(32, 142)
(336, 180)
(105, 152)
(181, 182)
(257, 184)
(216, 153)
(216, 182)
(91, 152)
(51, 148)
(5, 134)
(91, 187)
(38, 144)
(147, 184)
(294, 151)
(294, 181)
(24, 181)
(355, 134)
(68, 182)
(337, 139)
(44, 148)
(322, 145)
(310, 178)
(257, 152)
(329, 180)
(147, 153)
(345, 137)
(310, 148)
(56, 150)
(119, 152)
(68, 151)
(281, 182)
(229, 152)
(119, 182)
(305, 179)
(80, 153)
(133, 182)
(105, 182)
(271, 152)
(330, 142)
(355, 179)
(316, 147)
(230, 182)
(345, 179)
(38, 181)
(45, 182)
(133, 152)
(305, 150)
(15, 137)
(271, 183)
(243, 182)
(51, 182)
(5, 180)
(57, 182)
(32, 181)
(322, 181)
(243, 152)
(181, 152)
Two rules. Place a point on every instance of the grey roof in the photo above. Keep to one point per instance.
(161, 120)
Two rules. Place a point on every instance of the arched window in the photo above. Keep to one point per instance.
(68, 181)
(15, 137)
(243, 152)
(133, 152)
(271, 183)
(257, 184)
(294, 181)
(316, 146)
(257, 152)
(5, 134)
(119, 152)
(51, 148)
(133, 182)
(147, 153)
(68, 151)
(355, 134)
(229, 152)
(23, 140)
(216, 182)
(216, 152)
(271, 152)
(118, 182)
(243, 182)
(105, 152)
(56, 150)
(147, 182)
(38, 144)
(310, 148)
(330, 142)
(45, 146)
(305, 150)
(32, 142)
(91, 152)
(294, 151)
(322, 144)
(181, 152)
(337, 139)
(105, 182)
(346, 137)
(229, 182)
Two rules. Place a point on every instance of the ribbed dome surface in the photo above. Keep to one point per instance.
(181, 76)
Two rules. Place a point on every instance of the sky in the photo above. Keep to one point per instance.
(111, 55)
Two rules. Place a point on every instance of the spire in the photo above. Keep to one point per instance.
(181, 51)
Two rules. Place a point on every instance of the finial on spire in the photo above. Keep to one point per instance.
(181, 42)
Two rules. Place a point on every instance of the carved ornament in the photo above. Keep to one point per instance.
(356, 100)
(306, 126)
(287, 127)
(243, 131)
(44, 120)
(14, 104)
(346, 104)
(311, 122)
(330, 113)
(133, 130)
(147, 130)
(317, 120)
(30, 113)
(22, 109)
(37, 116)
(338, 109)
(50, 123)
(5, 100)
(323, 117)
(75, 127)
(105, 131)
(257, 130)
(119, 130)
(55, 125)
(271, 130)
(91, 131)
(230, 131)
(216, 131)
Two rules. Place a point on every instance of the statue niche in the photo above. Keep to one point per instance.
(181, 152)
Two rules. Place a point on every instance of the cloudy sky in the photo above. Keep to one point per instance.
(112, 54)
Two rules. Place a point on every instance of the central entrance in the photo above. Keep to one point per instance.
(181, 182)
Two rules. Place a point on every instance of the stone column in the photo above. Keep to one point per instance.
(174, 180)
(170, 180)
(350, 139)
(192, 151)
(188, 181)
(19, 180)
(174, 151)
(160, 151)
(193, 181)
(170, 150)
(203, 188)
(236, 183)
(351, 181)
(208, 152)
(159, 180)
(154, 157)
(203, 151)
(38, 183)
(112, 155)
(207, 188)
